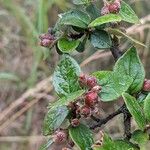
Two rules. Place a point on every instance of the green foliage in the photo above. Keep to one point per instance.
(65, 78)
(67, 99)
(105, 19)
(75, 18)
(130, 64)
(73, 30)
(82, 137)
(101, 39)
(113, 84)
(54, 119)
(147, 107)
(109, 144)
(135, 110)
(140, 137)
(127, 14)
(67, 46)
(80, 2)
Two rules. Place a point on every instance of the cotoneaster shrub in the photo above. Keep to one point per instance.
(79, 94)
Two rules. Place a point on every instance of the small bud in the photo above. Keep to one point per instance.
(85, 111)
(91, 98)
(75, 122)
(91, 82)
(96, 88)
(60, 136)
(46, 40)
(114, 7)
(105, 10)
(83, 79)
(146, 85)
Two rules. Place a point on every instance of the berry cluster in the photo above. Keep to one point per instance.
(91, 96)
(83, 107)
(112, 7)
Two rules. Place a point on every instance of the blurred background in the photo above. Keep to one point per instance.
(26, 68)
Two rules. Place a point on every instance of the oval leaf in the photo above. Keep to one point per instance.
(135, 110)
(65, 78)
(101, 39)
(105, 19)
(113, 85)
(82, 137)
(147, 107)
(54, 119)
(67, 99)
(127, 14)
(67, 46)
(130, 64)
(47, 145)
(75, 18)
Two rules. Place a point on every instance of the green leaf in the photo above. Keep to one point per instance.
(101, 39)
(93, 11)
(67, 46)
(47, 145)
(82, 137)
(81, 46)
(65, 78)
(101, 74)
(135, 110)
(130, 64)
(67, 99)
(54, 119)
(124, 145)
(105, 19)
(147, 107)
(75, 18)
(81, 2)
(127, 14)
(108, 144)
(140, 137)
(118, 32)
(113, 85)
(9, 76)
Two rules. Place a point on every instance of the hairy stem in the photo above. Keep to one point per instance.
(100, 122)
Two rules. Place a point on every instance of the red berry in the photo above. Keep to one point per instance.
(60, 136)
(146, 85)
(85, 111)
(105, 10)
(75, 122)
(114, 7)
(91, 82)
(91, 98)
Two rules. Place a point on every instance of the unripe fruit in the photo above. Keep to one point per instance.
(146, 85)
(83, 79)
(75, 122)
(96, 88)
(85, 111)
(60, 136)
(46, 40)
(91, 98)
(91, 82)
(114, 7)
(105, 10)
